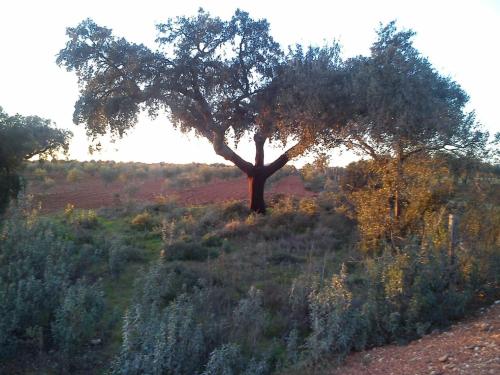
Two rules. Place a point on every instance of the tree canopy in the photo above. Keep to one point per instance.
(222, 79)
(21, 138)
(404, 106)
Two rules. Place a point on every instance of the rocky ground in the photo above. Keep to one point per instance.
(471, 347)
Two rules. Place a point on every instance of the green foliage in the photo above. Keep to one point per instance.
(119, 255)
(22, 138)
(412, 292)
(161, 340)
(45, 304)
(226, 360)
(10, 185)
(75, 175)
(249, 318)
(189, 251)
(404, 106)
(109, 174)
(81, 219)
(336, 326)
(142, 221)
(78, 320)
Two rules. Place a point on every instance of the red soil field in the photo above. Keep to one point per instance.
(93, 193)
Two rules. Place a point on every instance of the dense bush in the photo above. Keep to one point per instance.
(45, 305)
(228, 360)
(189, 251)
(336, 326)
(249, 318)
(75, 174)
(78, 320)
(411, 292)
(160, 340)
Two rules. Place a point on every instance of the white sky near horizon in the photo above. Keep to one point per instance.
(461, 39)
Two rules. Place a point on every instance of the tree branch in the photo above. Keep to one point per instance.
(366, 147)
(222, 149)
(259, 140)
(281, 161)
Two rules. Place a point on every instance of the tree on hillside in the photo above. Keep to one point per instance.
(21, 138)
(220, 79)
(405, 109)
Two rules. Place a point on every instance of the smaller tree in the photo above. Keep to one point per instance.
(21, 138)
(404, 109)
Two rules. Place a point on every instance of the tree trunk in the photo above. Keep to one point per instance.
(257, 178)
(256, 184)
(257, 174)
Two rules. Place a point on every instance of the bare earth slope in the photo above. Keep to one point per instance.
(471, 347)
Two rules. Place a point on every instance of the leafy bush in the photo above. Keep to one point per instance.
(412, 292)
(44, 304)
(189, 251)
(226, 360)
(142, 221)
(74, 175)
(161, 340)
(109, 174)
(336, 326)
(86, 219)
(119, 255)
(78, 320)
(249, 318)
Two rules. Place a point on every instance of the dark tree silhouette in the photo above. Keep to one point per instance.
(21, 138)
(222, 79)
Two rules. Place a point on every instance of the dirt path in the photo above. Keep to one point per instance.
(471, 347)
(93, 193)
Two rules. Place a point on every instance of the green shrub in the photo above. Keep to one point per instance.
(226, 360)
(78, 320)
(412, 292)
(86, 219)
(249, 318)
(119, 255)
(189, 251)
(75, 175)
(229, 360)
(161, 340)
(109, 174)
(142, 221)
(212, 240)
(336, 326)
(44, 304)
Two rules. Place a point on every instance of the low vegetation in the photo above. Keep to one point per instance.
(382, 251)
(161, 288)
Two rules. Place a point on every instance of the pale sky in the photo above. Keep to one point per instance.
(460, 38)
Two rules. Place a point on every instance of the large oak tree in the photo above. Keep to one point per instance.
(220, 79)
